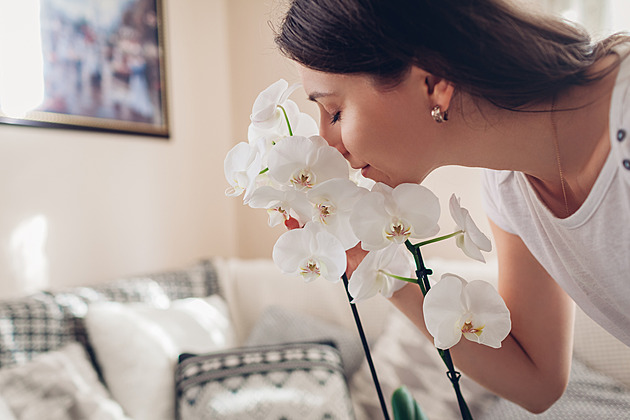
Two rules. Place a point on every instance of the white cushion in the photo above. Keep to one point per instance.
(57, 385)
(251, 286)
(137, 347)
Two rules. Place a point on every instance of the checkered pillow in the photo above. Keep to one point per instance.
(46, 321)
(29, 326)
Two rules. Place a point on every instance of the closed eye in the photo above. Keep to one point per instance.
(335, 118)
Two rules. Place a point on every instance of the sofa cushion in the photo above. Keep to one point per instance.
(278, 325)
(58, 385)
(137, 345)
(299, 381)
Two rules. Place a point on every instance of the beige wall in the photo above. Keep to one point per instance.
(80, 207)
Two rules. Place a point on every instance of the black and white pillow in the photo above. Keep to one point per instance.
(298, 381)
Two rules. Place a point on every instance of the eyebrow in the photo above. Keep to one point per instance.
(316, 95)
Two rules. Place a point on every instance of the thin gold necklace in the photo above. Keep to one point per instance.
(555, 141)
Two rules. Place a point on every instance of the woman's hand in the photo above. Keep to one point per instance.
(354, 257)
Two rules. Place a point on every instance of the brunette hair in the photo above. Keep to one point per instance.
(487, 48)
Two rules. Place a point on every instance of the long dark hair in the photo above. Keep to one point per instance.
(487, 48)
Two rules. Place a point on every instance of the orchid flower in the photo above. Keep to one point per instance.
(242, 166)
(274, 115)
(302, 162)
(472, 241)
(333, 201)
(386, 215)
(311, 253)
(454, 307)
(378, 272)
(282, 204)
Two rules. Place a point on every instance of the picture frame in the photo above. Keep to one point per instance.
(102, 67)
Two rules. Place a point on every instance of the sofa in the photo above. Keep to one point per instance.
(236, 339)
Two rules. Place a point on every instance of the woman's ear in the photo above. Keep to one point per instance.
(440, 91)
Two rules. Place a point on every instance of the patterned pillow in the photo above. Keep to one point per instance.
(298, 381)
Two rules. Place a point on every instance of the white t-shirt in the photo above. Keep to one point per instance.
(588, 253)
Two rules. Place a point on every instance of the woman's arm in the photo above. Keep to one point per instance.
(532, 366)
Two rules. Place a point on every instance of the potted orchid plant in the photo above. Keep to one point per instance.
(290, 171)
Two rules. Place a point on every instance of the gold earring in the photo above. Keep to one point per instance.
(438, 115)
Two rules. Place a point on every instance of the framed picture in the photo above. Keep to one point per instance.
(92, 65)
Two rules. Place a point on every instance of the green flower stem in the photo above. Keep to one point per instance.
(287, 119)
(440, 238)
(423, 281)
(407, 279)
(263, 171)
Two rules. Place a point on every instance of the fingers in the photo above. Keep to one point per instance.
(291, 223)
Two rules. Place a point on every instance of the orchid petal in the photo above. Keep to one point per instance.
(306, 126)
(290, 249)
(332, 207)
(284, 202)
(368, 221)
(311, 253)
(443, 309)
(454, 307)
(302, 162)
(241, 166)
(484, 301)
(472, 241)
(371, 276)
(420, 207)
(264, 111)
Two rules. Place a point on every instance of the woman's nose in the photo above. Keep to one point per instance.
(332, 135)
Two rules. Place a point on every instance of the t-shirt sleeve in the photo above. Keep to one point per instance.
(491, 200)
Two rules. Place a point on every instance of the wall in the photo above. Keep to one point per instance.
(80, 207)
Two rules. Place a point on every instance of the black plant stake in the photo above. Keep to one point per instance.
(366, 348)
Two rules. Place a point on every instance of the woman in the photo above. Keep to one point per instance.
(407, 86)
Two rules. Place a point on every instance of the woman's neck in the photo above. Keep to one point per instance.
(526, 142)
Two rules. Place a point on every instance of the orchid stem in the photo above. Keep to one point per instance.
(407, 279)
(440, 238)
(423, 281)
(286, 117)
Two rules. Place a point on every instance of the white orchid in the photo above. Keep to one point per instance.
(472, 240)
(454, 307)
(333, 201)
(302, 163)
(282, 204)
(242, 166)
(392, 215)
(274, 116)
(375, 273)
(310, 252)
